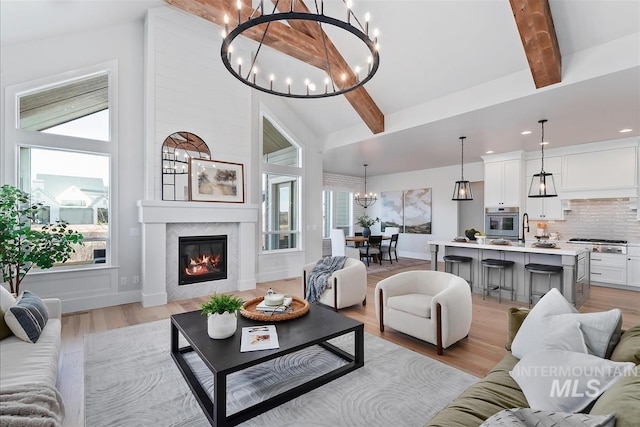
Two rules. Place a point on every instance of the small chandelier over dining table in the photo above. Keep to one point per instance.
(365, 200)
(340, 76)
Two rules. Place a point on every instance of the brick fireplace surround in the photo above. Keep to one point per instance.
(164, 221)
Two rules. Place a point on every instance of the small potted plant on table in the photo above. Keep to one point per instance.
(221, 311)
(366, 222)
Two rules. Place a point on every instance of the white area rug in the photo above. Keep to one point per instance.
(131, 380)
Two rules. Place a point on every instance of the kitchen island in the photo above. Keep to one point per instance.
(574, 261)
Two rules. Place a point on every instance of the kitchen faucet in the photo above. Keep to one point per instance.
(525, 225)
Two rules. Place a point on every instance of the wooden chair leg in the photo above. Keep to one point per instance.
(381, 311)
(439, 329)
(335, 294)
(304, 284)
(364, 301)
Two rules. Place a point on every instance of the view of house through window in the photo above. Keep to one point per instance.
(280, 190)
(72, 186)
(336, 211)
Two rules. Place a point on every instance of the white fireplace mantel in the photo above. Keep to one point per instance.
(155, 215)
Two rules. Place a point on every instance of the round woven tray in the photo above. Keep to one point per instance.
(298, 307)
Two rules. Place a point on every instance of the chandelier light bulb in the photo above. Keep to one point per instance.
(271, 78)
(367, 17)
(226, 23)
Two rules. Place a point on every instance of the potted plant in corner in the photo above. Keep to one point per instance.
(23, 246)
(366, 222)
(221, 311)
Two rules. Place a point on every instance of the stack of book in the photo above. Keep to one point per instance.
(277, 308)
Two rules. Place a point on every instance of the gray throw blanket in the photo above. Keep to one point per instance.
(317, 281)
(31, 405)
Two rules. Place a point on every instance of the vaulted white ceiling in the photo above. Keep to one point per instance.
(448, 68)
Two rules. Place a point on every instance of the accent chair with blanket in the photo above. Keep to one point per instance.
(342, 288)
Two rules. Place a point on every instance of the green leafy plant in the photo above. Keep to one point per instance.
(21, 246)
(222, 303)
(366, 221)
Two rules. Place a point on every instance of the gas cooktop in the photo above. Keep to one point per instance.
(606, 241)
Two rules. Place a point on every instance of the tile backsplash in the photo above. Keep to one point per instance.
(595, 219)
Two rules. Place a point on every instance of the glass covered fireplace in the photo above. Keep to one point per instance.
(201, 259)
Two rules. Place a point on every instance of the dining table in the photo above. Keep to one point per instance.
(358, 240)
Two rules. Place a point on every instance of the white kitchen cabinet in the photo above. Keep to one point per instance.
(633, 265)
(502, 183)
(547, 208)
(614, 169)
(609, 268)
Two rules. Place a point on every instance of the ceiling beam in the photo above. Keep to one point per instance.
(359, 98)
(538, 35)
(300, 40)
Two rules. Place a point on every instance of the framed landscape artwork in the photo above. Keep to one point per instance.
(216, 181)
(417, 211)
(409, 209)
(392, 209)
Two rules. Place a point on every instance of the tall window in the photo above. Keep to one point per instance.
(280, 190)
(64, 147)
(337, 211)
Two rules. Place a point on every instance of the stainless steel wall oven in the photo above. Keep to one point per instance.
(502, 223)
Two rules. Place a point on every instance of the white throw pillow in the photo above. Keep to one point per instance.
(567, 336)
(6, 302)
(553, 311)
(527, 417)
(566, 381)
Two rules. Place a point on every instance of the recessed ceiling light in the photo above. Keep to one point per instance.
(544, 143)
(525, 132)
(489, 152)
(625, 130)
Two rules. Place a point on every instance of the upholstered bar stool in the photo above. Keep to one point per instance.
(549, 270)
(451, 260)
(500, 265)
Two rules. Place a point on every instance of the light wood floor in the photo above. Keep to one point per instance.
(476, 354)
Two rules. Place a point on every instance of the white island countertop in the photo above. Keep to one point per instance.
(562, 248)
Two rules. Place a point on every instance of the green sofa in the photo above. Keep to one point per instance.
(498, 391)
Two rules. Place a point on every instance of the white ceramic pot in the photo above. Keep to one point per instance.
(220, 326)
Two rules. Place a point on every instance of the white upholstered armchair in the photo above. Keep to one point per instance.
(345, 287)
(433, 306)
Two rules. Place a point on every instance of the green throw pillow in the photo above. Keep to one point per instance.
(628, 348)
(515, 317)
(623, 399)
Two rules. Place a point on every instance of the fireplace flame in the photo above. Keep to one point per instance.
(203, 264)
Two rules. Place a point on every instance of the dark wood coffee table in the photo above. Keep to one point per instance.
(223, 357)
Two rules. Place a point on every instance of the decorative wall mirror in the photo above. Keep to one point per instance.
(177, 149)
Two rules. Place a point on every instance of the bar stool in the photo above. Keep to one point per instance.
(487, 265)
(549, 270)
(450, 260)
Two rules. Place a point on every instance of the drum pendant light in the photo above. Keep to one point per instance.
(462, 188)
(543, 184)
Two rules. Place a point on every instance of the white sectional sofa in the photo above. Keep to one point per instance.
(28, 374)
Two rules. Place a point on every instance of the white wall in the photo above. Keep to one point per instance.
(26, 62)
(444, 221)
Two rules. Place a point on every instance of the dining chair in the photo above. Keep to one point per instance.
(339, 245)
(390, 248)
(371, 249)
(390, 231)
(355, 244)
